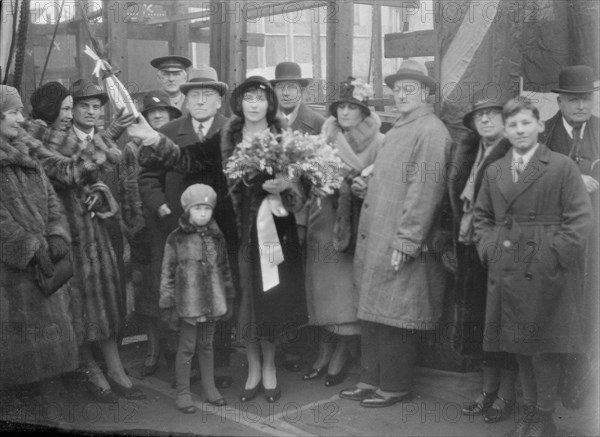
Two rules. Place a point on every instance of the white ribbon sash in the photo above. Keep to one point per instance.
(269, 246)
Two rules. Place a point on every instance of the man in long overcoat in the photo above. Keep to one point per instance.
(575, 132)
(532, 219)
(400, 279)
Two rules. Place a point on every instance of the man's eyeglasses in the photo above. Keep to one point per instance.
(489, 113)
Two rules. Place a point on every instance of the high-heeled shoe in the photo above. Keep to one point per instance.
(331, 380)
(105, 396)
(315, 373)
(150, 369)
(482, 403)
(250, 393)
(218, 402)
(272, 394)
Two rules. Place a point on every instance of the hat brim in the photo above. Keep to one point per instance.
(468, 118)
(102, 96)
(220, 87)
(334, 105)
(585, 91)
(410, 74)
(302, 81)
(175, 112)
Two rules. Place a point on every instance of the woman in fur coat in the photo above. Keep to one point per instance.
(37, 342)
(267, 312)
(330, 295)
(74, 166)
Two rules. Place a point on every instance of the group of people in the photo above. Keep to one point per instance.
(264, 258)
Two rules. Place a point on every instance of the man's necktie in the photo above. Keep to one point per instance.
(200, 133)
(575, 152)
(519, 166)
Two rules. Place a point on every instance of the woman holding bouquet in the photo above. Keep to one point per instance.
(74, 157)
(272, 287)
(330, 296)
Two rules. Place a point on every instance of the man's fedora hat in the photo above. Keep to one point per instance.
(483, 99)
(171, 63)
(411, 69)
(576, 79)
(86, 89)
(204, 77)
(289, 72)
(159, 99)
(353, 91)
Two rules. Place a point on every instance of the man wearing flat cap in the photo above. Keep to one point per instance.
(172, 72)
(575, 132)
(399, 276)
(192, 156)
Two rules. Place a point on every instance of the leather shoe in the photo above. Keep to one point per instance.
(99, 395)
(132, 392)
(356, 394)
(499, 410)
(190, 409)
(482, 403)
(315, 373)
(250, 393)
(272, 394)
(294, 365)
(377, 401)
(331, 380)
(218, 403)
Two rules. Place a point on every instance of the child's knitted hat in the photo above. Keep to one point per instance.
(198, 194)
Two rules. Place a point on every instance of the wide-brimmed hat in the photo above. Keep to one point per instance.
(46, 101)
(354, 91)
(411, 69)
(86, 89)
(258, 82)
(289, 72)
(203, 77)
(482, 99)
(159, 99)
(171, 63)
(576, 79)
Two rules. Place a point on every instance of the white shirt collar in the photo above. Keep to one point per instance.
(81, 134)
(206, 124)
(291, 117)
(569, 128)
(526, 157)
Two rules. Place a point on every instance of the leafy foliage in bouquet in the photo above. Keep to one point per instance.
(295, 155)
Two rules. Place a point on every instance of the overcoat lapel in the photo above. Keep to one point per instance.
(186, 134)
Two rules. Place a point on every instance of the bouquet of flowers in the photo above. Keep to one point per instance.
(295, 155)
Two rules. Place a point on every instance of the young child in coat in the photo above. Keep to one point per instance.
(197, 289)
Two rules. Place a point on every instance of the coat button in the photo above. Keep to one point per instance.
(363, 236)
(366, 205)
(531, 215)
(528, 276)
(506, 243)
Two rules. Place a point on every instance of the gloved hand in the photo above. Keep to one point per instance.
(57, 247)
(42, 259)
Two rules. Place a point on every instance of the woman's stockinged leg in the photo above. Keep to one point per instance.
(90, 367)
(269, 375)
(326, 349)
(339, 357)
(254, 363)
(114, 364)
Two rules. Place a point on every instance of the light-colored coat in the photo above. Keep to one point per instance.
(399, 212)
(532, 236)
(330, 295)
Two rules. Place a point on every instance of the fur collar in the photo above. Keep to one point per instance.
(359, 137)
(16, 151)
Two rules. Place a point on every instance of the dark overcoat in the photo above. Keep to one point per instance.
(37, 337)
(558, 140)
(532, 234)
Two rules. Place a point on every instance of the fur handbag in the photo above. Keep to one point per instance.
(48, 285)
(345, 229)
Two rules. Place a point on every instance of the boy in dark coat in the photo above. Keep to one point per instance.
(196, 283)
(532, 218)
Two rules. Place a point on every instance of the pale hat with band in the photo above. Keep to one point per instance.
(198, 194)
(411, 69)
(203, 77)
